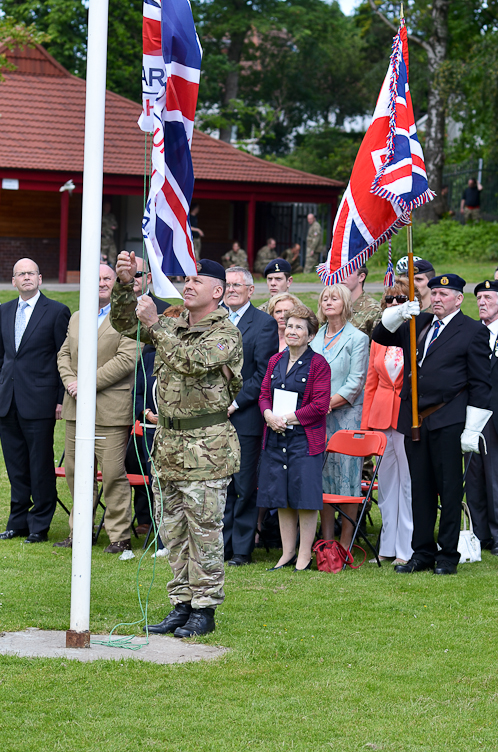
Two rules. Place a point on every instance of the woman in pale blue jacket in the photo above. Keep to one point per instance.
(346, 351)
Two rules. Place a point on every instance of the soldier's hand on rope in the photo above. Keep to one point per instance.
(146, 311)
(126, 266)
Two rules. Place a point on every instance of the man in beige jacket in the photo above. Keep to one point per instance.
(114, 415)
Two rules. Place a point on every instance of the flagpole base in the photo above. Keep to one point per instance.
(77, 639)
(415, 433)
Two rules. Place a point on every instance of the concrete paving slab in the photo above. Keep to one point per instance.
(38, 643)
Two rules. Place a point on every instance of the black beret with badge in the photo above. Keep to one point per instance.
(488, 284)
(421, 266)
(208, 268)
(278, 265)
(448, 282)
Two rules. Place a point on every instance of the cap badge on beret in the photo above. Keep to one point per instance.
(277, 268)
(486, 284)
(199, 266)
(445, 280)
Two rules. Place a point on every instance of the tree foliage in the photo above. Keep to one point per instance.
(14, 34)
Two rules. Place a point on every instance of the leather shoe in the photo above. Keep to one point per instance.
(494, 548)
(289, 563)
(413, 565)
(445, 567)
(200, 622)
(176, 618)
(118, 547)
(487, 544)
(66, 543)
(306, 568)
(238, 560)
(36, 538)
(8, 534)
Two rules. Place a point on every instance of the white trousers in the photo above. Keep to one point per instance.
(395, 499)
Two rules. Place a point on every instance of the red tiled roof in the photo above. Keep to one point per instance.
(42, 111)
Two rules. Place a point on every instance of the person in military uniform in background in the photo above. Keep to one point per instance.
(366, 310)
(314, 245)
(278, 278)
(292, 255)
(108, 250)
(265, 254)
(196, 450)
(236, 257)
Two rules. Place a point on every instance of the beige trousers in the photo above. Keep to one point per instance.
(110, 456)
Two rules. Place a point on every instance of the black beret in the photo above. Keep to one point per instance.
(448, 281)
(488, 284)
(208, 268)
(422, 266)
(278, 265)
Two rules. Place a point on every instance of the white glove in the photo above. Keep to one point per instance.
(393, 317)
(475, 422)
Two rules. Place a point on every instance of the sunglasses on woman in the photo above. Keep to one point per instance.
(398, 298)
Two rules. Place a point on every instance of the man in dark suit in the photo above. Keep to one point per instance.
(260, 341)
(482, 475)
(32, 329)
(454, 394)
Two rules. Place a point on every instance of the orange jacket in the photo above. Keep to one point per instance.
(381, 400)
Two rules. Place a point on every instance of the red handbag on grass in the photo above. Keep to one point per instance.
(331, 556)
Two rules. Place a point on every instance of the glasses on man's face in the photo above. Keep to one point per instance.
(139, 274)
(25, 274)
(398, 298)
(235, 285)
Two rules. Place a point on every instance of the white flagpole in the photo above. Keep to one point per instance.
(78, 634)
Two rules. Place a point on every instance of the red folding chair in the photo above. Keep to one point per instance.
(357, 444)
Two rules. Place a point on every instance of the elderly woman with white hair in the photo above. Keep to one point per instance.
(346, 350)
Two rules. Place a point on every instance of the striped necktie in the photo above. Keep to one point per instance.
(20, 323)
(437, 326)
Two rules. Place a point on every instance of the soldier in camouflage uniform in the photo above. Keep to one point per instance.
(108, 250)
(196, 450)
(292, 255)
(236, 257)
(278, 278)
(366, 310)
(314, 245)
(265, 254)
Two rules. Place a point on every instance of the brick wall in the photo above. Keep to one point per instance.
(45, 251)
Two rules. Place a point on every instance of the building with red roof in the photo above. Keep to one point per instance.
(42, 118)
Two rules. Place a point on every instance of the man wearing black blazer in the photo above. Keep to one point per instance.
(482, 475)
(453, 401)
(260, 341)
(32, 330)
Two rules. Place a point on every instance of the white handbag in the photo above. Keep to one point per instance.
(469, 545)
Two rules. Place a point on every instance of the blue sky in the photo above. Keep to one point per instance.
(348, 5)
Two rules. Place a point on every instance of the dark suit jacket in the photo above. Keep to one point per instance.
(458, 361)
(493, 405)
(30, 375)
(260, 341)
(161, 305)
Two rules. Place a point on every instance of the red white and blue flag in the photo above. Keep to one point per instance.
(171, 71)
(388, 179)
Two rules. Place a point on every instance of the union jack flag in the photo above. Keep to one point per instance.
(170, 83)
(388, 179)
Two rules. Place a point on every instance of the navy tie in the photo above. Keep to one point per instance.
(437, 326)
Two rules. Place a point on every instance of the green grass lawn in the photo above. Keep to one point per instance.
(362, 660)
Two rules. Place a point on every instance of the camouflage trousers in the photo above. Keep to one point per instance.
(191, 528)
(312, 261)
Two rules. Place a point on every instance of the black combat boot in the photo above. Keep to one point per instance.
(176, 618)
(201, 621)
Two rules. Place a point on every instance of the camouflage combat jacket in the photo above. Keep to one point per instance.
(366, 314)
(263, 258)
(314, 238)
(235, 258)
(190, 383)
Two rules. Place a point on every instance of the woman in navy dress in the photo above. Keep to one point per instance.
(290, 477)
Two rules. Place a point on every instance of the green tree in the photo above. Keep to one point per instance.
(14, 34)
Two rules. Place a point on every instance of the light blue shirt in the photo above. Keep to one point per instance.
(103, 313)
(348, 361)
(238, 314)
